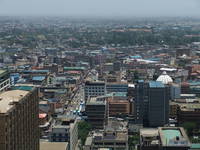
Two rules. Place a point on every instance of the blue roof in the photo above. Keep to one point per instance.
(156, 84)
(24, 88)
(36, 71)
(136, 57)
(38, 78)
(53, 99)
(140, 81)
(153, 59)
(195, 146)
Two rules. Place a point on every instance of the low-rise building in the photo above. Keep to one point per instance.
(114, 136)
(65, 130)
(164, 138)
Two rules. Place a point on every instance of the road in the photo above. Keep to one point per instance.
(76, 100)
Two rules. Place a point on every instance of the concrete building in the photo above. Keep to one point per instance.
(152, 103)
(114, 136)
(19, 124)
(164, 138)
(96, 110)
(118, 107)
(65, 130)
(94, 89)
(4, 80)
(107, 67)
(116, 87)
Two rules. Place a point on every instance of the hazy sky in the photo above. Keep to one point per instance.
(101, 7)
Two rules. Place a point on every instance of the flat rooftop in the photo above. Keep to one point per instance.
(156, 84)
(148, 132)
(2, 71)
(53, 145)
(95, 101)
(171, 134)
(8, 97)
(173, 137)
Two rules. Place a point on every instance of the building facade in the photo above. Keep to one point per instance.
(19, 124)
(94, 89)
(152, 103)
(4, 80)
(96, 110)
(65, 130)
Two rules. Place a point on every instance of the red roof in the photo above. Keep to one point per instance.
(43, 115)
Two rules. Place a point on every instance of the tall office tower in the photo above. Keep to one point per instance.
(19, 128)
(4, 80)
(152, 103)
(94, 89)
(96, 110)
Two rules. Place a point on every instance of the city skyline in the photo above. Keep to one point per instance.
(103, 8)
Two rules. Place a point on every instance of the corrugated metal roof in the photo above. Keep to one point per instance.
(38, 78)
(156, 84)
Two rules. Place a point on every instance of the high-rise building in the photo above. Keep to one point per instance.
(94, 89)
(19, 128)
(96, 110)
(152, 103)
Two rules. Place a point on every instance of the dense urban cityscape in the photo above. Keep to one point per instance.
(99, 84)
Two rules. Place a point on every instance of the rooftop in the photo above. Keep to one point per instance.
(38, 78)
(9, 97)
(164, 78)
(96, 101)
(74, 68)
(173, 137)
(53, 145)
(156, 84)
(24, 88)
(2, 71)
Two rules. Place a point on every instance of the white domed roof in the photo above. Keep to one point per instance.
(164, 78)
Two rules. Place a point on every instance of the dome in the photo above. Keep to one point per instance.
(164, 78)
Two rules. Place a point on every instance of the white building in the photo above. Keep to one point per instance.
(94, 89)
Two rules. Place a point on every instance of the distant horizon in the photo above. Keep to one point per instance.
(101, 8)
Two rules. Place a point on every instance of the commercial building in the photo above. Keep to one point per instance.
(19, 124)
(114, 136)
(118, 107)
(164, 138)
(94, 89)
(65, 130)
(152, 103)
(116, 87)
(4, 80)
(96, 110)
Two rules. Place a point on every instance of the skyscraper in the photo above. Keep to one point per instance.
(152, 103)
(19, 128)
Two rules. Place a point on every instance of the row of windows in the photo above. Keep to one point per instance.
(5, 83)
(109, 143)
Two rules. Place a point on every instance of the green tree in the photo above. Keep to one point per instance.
(189, 127)
(83, 130)
(133, 140)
